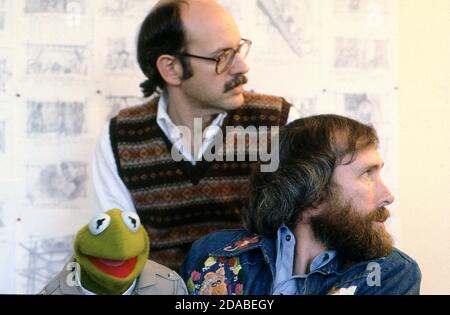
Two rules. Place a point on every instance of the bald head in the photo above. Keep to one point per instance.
(209, 27)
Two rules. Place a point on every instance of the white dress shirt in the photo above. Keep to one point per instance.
(110, 190)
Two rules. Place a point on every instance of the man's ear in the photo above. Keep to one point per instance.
(170, 69)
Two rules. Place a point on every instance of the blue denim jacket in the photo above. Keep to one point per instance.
(235, 262)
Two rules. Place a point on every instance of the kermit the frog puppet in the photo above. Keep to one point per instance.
(111, 258)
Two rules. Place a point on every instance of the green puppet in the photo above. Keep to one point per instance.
(111, 258)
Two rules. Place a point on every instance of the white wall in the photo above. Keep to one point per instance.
(424, 170)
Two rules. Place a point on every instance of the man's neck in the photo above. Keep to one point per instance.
(306, 248)
(183, 113)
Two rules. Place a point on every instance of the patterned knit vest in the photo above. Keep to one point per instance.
(177, 202)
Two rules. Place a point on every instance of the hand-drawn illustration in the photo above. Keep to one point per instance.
(45, 259)
(2, 137)
(121, 56)
(57, 60)
(363, 107)
(115, 103)
(55, 6)
(349, 6)
(306, 106)
(127, 7)
(61, 118)
(291, 18)
(59, 184)
(2, 15)
(361, 53)
(5, 70)
(360, 6)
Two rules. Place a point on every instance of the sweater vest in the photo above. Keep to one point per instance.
(176, 201)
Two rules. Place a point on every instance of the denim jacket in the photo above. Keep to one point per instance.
(234, 262)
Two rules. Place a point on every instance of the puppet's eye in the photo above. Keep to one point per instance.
(131, 219)
(99, 223)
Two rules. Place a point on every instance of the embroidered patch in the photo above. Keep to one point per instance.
(343, 291)
(217, 276)
(244, 242)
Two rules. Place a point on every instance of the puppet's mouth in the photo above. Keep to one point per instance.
(116, 268)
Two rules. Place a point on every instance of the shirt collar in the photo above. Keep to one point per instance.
(170, 129)
(129, 291)
(174, 134)
(286, 253)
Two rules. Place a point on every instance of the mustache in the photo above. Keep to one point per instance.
(234, 82)
(379, 215)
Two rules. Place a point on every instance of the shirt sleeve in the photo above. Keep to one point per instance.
(293, 114)
(110, 191)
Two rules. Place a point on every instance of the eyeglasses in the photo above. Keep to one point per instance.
(225, 59)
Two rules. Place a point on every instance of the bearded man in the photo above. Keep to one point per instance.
(315, 225)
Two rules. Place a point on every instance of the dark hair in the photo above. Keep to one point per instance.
(162, 32)
(310, 149)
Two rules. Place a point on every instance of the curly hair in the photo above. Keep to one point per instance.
(310, 149)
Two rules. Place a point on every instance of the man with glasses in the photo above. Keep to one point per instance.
(192, 54)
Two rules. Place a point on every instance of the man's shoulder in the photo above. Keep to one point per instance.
(398, 260)
(227, 242)
(396, 273)
(395, 261)
(257, 100)
(144, 110)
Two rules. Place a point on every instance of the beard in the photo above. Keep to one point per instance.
(354, 236)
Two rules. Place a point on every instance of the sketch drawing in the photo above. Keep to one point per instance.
(363, 107)
(56, 184)
(306, 106)
(2, 20)
(290, 18)
(55, 6)
(127, 7)
(58, 60)
(348, 6)
(368, 7)
(3, 13)
(361, 54)
(5, 71)
(379, 54)
(57, 117)
(121, 56)
(115, 103)
(2, 137)
(349, 54)
(45, 259)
